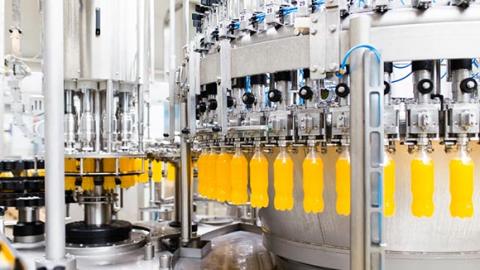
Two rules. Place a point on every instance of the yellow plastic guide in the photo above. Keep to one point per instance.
(461, 184)
(342, 179)
(223, 180)
(389, 186)
(259, 179)
(239, 176)
(210, 166)
(109, 166)
(202, 168)
(283, 180)
(88, 167)
(313, 182)
(70, 166)
(422, 184)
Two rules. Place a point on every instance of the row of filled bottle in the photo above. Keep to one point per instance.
(131, 167)
(226, 178)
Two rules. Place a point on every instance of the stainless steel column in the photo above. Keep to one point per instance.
(186, 184)
(171, 70)
(2, 56)
(359, 34)
(54, 145)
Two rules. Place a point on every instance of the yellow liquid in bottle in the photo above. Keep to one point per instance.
(127, 165)
(142, 178)
(422, 185)
(389, 187)
(283, 181)
(88, 166)
(171, 172)
(202, 173)
(109, 166)
(259, 180)
(239, 176)
(156, 171)
(461, 186)
(342, 187)
(70, 166)
(313, 183)
(211, 164)
(223, 180)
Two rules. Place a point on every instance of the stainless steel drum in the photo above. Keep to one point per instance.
(322, 240)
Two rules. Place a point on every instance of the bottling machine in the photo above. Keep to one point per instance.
(299, 112)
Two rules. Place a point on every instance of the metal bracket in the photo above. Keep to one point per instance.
(225, 83)
(374, 160)
(324, 43)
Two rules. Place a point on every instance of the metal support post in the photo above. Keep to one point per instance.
(359, 33)
(171, 77)
(54, 145)
(367, 137)
(186, 171)
(2, 84)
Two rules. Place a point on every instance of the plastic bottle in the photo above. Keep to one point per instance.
(202, 173)
(157, 171)
(127, 165)
(422, 184)
(313, 182)
(211, 164)
(222, 177)
(70, 167)
(109, 166)
(461, 184)
(171, 172)
(259, 179)
(342, 186)
(239, 176)
(389, 186)
(142, 165)
(283, 180)
(88, 167)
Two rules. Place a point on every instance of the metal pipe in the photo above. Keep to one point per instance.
(54, 146)
(359, 34)
(178, 194)
(151, 183)
(186, 188)
(186, 13)
(2, 56)
(171, 74)
(109, 115)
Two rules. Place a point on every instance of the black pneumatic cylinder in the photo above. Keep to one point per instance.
(211, 89)
(283, 76)
(422, 65)
(259, 79)
(458, 64)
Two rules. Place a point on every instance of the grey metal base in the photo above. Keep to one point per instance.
(68, 263)
(295, 255)
(196, 248)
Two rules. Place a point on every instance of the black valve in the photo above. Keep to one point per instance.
(425, 86)
(342, 90)
(248, 99)
(212, 104)
(201, 107)
(386, 88)
(274, 95)
(388, 67)
(468, 85)
(306, 93)
(230, 102)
